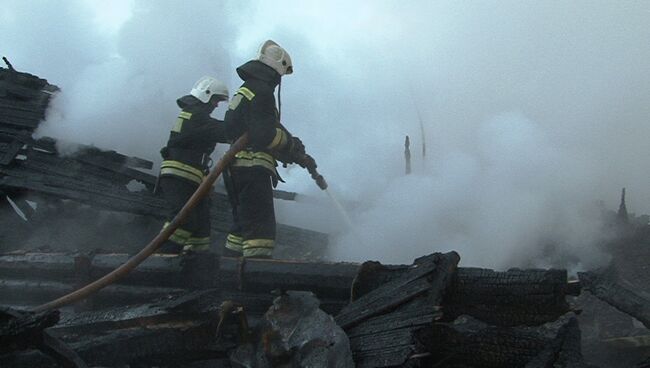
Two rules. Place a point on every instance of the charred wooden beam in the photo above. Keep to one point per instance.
(392, 338)
(510, 298)
(565, 351)
(621, 297)
(470, 342)
(383, 324)
(154, 345)
(506, 298)
(413, 282)
(31, 278)
(20, 330)
(33, 292)
(173, 331)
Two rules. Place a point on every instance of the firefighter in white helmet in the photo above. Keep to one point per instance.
(186, 157)
(251, 175)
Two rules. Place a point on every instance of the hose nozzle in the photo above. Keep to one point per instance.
(309, 163)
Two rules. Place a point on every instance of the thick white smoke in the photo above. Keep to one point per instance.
(123, 97)
(533, 111)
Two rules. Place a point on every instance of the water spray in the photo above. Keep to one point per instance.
(308, 162)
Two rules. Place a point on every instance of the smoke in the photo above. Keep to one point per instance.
(502, 206)
(119, 89)
(533, 111)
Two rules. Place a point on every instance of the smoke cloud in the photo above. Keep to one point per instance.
(533, 111)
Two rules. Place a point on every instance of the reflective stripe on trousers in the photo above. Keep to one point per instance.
(235, 243)
(197, 244)
(258, 248)
(184, 238)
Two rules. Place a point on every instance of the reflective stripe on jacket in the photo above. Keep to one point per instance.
(177, 168)
(252, 109)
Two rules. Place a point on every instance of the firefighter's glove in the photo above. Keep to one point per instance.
(164, 152)
(296, 149)
(308, 163)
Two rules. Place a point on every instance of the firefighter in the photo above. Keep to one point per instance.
(186, 160)
(252, 175)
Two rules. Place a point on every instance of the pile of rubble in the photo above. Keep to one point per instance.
(233, 313)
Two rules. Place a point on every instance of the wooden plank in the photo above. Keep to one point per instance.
(51, 275)
(470, 342)
(389, 339)
(10, 152)
(20, 330)
(395, 292)
(619, 296)
(510, 298)
(34, 292)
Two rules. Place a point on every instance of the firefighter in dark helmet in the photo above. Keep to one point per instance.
(186, 160)
(252, 175)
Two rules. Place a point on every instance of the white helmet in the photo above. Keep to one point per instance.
(276, 57)
(207, 87)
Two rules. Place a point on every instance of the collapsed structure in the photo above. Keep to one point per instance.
(207, 310)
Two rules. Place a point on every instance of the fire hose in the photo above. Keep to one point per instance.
(304, 161)
(154, 244)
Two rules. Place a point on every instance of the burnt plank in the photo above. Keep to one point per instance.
(10, 152)
(407, 286)
(34, 292)
(20, 329)
(469, 342)
(322, 278)
(508, 298)
(618, 295)
(565, 351)
(46, 276)
(390, 338)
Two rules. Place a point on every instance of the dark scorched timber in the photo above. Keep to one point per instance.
(383, 323)
(510, 298)
(20, 330)
(182, 329)
(40, 276)
(469, 342)
(391, 322)
(618, 295)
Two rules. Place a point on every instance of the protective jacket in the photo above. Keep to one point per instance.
(252, 109)
(192, 139)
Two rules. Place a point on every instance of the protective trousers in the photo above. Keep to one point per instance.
(194, 233)
(251, 194)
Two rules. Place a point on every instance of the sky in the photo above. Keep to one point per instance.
(532, 111)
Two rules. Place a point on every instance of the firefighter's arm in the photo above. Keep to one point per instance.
(216, 131)
(262, 130)
(210, 130)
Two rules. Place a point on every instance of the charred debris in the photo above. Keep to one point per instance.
(212, 311)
